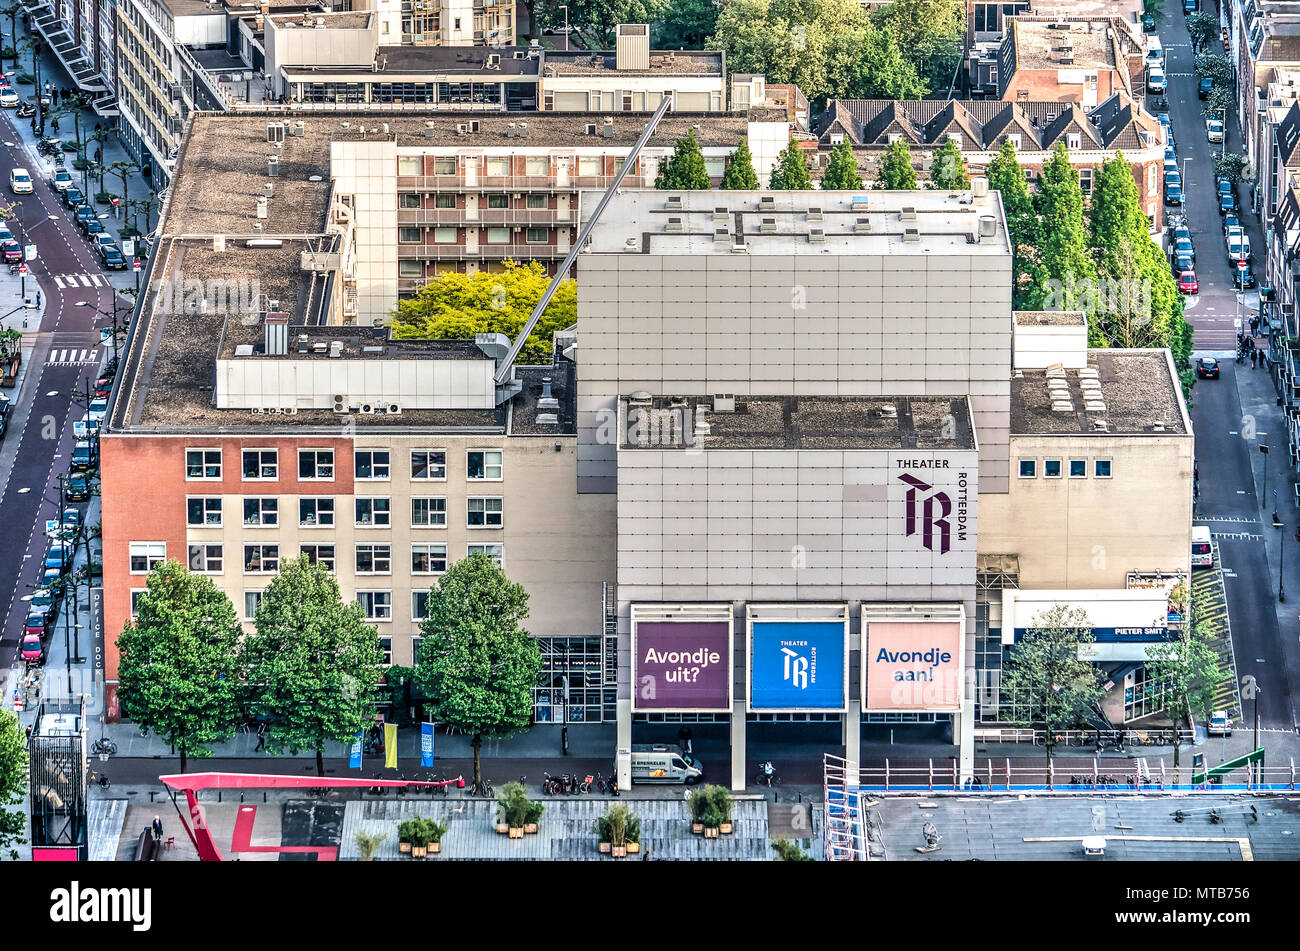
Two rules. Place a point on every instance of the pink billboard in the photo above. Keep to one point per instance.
(912, 666)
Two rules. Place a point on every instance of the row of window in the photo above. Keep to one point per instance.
(370, 559)
(481, 465)
(447, 235)
(1078, 468)
(409, 201)
(536, 166)
(426, 512)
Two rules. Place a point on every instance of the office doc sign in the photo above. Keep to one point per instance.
(797, 666)
(681, 665)
(912, 666)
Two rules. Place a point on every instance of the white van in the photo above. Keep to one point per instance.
(20, 182)
(1202, 549)
(661, 763)
(1155, 52)
(1156, 82)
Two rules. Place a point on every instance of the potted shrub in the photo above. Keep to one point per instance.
(368, 844)
(404, 830)
(534, 813)
(516, 810)
(721, 799)
(633, 834)
(419, 839)
(603, 834)
(436, 831)
(697, 802)
(618, 831)
(712, 819)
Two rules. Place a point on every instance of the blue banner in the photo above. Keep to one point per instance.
(354, 761)
(1116, 635)
(426, 744)
(797, 665)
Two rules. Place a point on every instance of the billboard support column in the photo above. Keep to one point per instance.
(738, 777)
(623, 756)
(852, 745)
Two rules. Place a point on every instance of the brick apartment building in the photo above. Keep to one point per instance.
(1067, 59)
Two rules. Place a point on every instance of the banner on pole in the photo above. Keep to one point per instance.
(426, 744)
(354, 761)
(390, 745)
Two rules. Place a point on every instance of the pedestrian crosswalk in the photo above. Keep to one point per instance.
(67, 356)
(80, 280)
(1210, 605)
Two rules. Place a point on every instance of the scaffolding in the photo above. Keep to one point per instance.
(846, 833)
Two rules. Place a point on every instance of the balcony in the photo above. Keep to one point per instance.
(522, 217)
(460, 252)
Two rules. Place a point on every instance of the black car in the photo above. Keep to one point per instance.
(92, 227)
(82, 214)
(112, 258)
(72, 197)
(1148, 23)
(77, 488)
(1203, 89)
(1207, 368)
(1242, 276)
(4, 414)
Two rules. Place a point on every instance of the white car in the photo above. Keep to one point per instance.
(20, 182)
(103, 238)
(98, 407)
(8, 98)
(1220, 724)
(85, 427)
(62, 181)
(1214, 130)
(1238, 247)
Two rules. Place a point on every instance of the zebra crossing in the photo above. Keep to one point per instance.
(1210, 603)
(80, 280)
(67, 356)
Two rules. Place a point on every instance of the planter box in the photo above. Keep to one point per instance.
(516, 833)
(604, 848)
(725, 828)
(697, 828)
(502, 828)
(404, 848)
(620, 851)
(418, 851)
(435, 848)
(530, 828)
(710, 833)
(633, 848)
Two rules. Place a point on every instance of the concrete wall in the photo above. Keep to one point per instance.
(1089, 533)
(368, 170)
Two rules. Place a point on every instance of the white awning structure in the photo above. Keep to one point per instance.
(1124, 621)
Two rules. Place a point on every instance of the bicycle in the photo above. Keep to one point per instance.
(585, 785)
(104, 747)
(481, 788)
(98, 779)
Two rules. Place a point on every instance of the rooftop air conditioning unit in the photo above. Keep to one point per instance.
(461, 128)
(907, 213)
(675, 225)
(816, 236)
(367, 409)
(1100, 425)
(394, 409)
(340, 401)
(768, 226)
(814, 214)
(888, 411)
(674, 203)
(911, 234)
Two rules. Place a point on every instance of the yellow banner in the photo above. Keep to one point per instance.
(390, 745)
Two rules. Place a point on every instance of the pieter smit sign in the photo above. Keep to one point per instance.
(797, 665)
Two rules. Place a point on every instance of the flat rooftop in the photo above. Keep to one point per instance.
(1042, 828)
(1037, 42)
(802, 422)
(1138, 387)
(798, 222)
(324, 21)
(672, 62)
(1049, 318)
(191, 8)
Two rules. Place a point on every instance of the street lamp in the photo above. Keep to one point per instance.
(1264, 451)
(117, 328)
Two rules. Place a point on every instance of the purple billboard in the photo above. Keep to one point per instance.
(681, 665)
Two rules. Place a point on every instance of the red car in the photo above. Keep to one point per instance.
(1187, 282)
(12, 251)
(33, 652)
(35, 626)
(104, 386)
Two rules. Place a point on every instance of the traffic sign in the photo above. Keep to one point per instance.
(115, 201)
(135, 265)
(22, 269)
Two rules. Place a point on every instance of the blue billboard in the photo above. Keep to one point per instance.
(797, 665)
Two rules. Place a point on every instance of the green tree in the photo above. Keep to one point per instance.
(1063, 249)
(180, 665)
(1220, 103)
(1232, 167)
(455, 306)
(842, 169)
(685, 24)
(1043, 679)
(1008, 177)
(597, 17)
(314, 664)
(13, 782)
(1204, 30)
(788, 851)
(896, 170)
(1188, 668)
(476, 662)
(1218, 67)
(948, 168)
(11, 10)
(930, 34)
(740, 175)
(791, 172)
(685, 170)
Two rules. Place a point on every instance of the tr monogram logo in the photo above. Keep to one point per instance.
(931, 521)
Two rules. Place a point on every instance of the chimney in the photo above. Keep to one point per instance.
(547, 401)
(632, 46)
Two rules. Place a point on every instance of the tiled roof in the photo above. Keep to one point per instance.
(1288, 137)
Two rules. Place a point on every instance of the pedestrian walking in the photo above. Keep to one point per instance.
(685, 739)
(54, 98)
(157, 829)
(261, 739)
(54, 124)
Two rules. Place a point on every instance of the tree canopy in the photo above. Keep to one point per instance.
(685, 169)
(948, 168)
(791, 172)
(457, 306)
(740, 174)
(13, 782)
(896, 169)
(842, 169)
(685, 24)
(1008, 177)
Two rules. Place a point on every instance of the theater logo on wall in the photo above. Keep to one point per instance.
(912, 661)
(682, 658)
(938, 493)
(797, 664)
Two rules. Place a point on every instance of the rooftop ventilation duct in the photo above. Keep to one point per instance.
(546, 400)
(911, 235)
(979, 187)
(276, 334)
(988, 226)
(907, 213)
(494, 345)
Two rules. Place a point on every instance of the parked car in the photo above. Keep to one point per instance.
(59, 556)
(98, 407)
(20, 181)
(11, 250)
(50, 578)
(46, 601)
(102, 239)
(94, 227)
(1181, 264)
(1242, 276)
(1214, 130)
(1204, 86)
(1169, 129)
(35, 625)
(77, 488)
(1220, 724)
(1230, 222)
(103, 386)
(112, 257)
(61, 181)
(1156, 82)
(33, 650)
(72, 197)
(83, 213)
(1207, 368)
(85, 427)
(1227, 203)
(1173, 193)
(1238, 247)
(1189, 7)
(1148, 23)
(1183, 248)
(4, 414)
(1187, 283)
(83, 456)
(8, 98)
(71, 519)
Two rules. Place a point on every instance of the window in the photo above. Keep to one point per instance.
(496, 166)
(536, 235)
(320, 555)
(373, 513)
(1101, 468)
(538, 201)
(429, 464)
(498, 201)
(144, 555)
(1028, 468)
(371, 464)
(428, 559)
(483, 465)
(374, 559)
(409, 201)
(484, 513)
(588, 165)
(1073, 140)
(429, 513)
(203, 511)
(444, 166)
(205, 559)
(408, 165)
(1051, 468)
(203, 463)
(495, 551)
(265, 511)
(315, 513)
(415, 649)
(1078, 468)
(261, 559)
(409, 235)
(136, 595)
(251, 600)
(837, 138)
(410, 269)
(444, 235)
(498, 235)
(419, 610)
(376, 606)
(315, 463)
(1015, 141)
(1085, 180)
(444, 201)
(386, 645)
